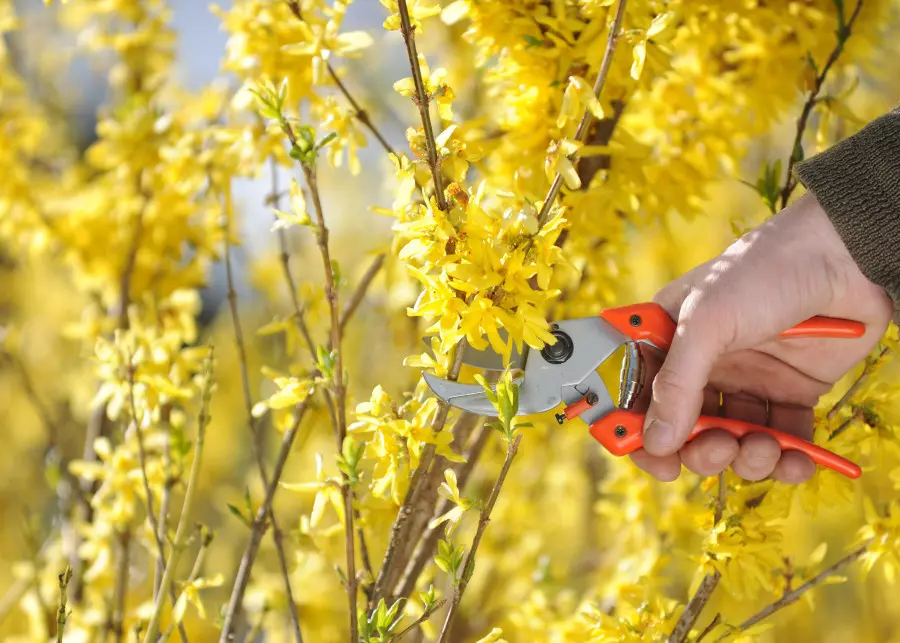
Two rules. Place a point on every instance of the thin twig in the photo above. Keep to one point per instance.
(418, 502)
(866, 372)
(720, 499)
(62, 616)
(422, 101)
(707, 586)
(843, 33)
(359, 294)
(468, 566)
(425, 616)
(12, 597)
(181, 533)
(124, 541)
(131, 261)
(359, 113)
(846, 424)
(791, 597)
(165, 413)
(709, 628)
(300, 321)
(256, 433)
(338, 388)
(157, 529)
(258, 529)
(50, 423)
(206, 538)
(429, 539)
(587, 117)
(259, 525)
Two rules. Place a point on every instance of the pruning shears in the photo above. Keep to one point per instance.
(566, 372)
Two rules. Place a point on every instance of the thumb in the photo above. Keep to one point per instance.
(677, 395)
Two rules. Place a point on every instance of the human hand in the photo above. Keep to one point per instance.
(791, 268)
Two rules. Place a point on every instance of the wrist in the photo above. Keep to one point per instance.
(843, 273)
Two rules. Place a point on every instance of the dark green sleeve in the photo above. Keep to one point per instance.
(857, 182)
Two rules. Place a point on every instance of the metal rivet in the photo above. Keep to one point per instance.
(559, 352)
(635, 320)
(621, 431)
(592, 398)
(560, 417)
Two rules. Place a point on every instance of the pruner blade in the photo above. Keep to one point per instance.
(468, 397)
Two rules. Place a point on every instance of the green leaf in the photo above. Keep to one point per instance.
(325, 141)
(812, 63)
(428, 598)
(341, 575)
(237, 513)
(532, 41)
(336, 272)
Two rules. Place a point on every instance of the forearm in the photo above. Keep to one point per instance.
(857, 182)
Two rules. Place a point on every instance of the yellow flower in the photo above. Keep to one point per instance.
(579, 95)
(190, 593)
(298, 214)
(494, 636)
(450, 491)
(418, 11)
(327, 491)
(436, 88)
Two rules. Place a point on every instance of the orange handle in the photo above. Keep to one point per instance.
(650, 322)
(621, 433)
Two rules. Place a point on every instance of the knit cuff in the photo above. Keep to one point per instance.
(857, 183)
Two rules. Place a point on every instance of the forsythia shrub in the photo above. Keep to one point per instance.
(281, 472)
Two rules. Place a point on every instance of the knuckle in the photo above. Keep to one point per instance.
(707, 316)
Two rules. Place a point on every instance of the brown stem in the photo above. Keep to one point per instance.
(300, 320)
(587, 117)
(418, 503)
(157, 529)
(62, 615)
(339, 390)
(707, 586)
(363, 551)
(429, 539)
(256, 433)
(359, 294)
(258, 528)
(422, 101)
(468, 566)
(181, 532)
(425, 616)
(168, 484)
(866, 372)
(709, 628)
(130, 263)
(358, 112)
(846, 424)
(791, 597)
(124, 541)
(844, 30)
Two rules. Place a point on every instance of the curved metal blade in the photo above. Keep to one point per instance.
(471, 397)
(468, 397)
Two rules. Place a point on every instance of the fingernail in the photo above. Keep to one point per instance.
(660, 438)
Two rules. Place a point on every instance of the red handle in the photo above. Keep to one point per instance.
(620, 433)
(652, 323)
